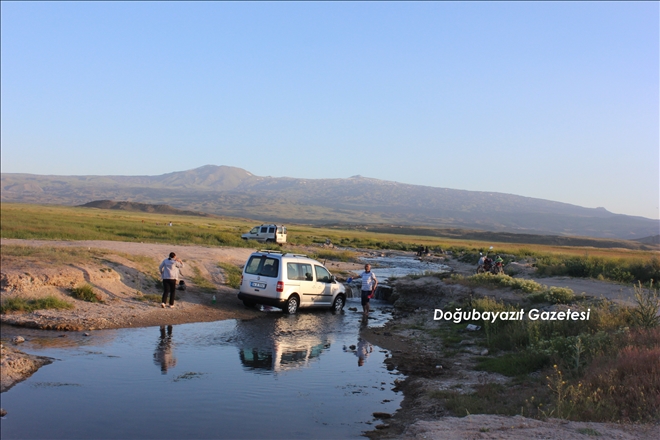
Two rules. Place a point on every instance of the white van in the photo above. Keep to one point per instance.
(267, 234)
(289, 281)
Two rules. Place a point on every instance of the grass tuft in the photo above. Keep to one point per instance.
(86, 293)
(29, 305)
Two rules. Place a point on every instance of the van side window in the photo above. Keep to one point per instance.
(264, 229)
(263, 266)
(254, 230)
(271, 230)
(292, 272)
(306, 272)
(322, 274)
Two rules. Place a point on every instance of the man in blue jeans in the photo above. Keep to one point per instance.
(169, 270)
(369, 283)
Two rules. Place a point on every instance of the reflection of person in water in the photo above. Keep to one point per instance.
(163, 355)
(362, 351)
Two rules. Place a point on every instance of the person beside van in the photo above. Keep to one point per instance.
(369, 283)
(169, 270)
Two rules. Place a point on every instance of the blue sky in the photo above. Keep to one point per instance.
(558, 101)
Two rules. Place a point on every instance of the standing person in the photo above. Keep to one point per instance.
(169, 270)
(480, 264)
(369, 283)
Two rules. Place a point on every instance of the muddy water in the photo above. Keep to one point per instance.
(277, 376)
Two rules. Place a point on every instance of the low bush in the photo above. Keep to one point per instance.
(151, 297)
(85, 293)
(481, 279)
(645, 314)
(623, 388)
(515, 364)
(554, 295)
(615, 269)
(29, 305)
(329, 254)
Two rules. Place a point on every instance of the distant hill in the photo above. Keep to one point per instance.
(231, 191)
(655, 239)
(141, 207)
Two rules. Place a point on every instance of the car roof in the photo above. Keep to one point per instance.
(279, 254)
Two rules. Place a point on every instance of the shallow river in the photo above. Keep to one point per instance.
(279, 376)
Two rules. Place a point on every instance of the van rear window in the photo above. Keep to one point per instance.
(263, 266)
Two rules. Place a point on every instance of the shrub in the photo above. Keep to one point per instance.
(554, 295)
(151, 297)
(501, 280)
(514, 364)
(645, 314)
(328, 254)
(624, 388)
(85, 293)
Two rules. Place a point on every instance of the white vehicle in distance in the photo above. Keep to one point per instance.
(289, 281)
(267, 234)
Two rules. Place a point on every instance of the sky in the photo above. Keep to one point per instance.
(552, 100)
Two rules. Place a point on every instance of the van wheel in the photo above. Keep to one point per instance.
(338, 304)
(292, 305)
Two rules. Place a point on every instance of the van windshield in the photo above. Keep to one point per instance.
(263, 266)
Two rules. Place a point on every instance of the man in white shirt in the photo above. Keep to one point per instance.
(369, 283)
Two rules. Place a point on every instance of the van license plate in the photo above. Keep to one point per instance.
(258, 285)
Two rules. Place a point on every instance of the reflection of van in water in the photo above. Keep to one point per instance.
(281, 357)
(286, 343)
(267, 234)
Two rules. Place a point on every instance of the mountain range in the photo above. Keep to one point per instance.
(231, 191)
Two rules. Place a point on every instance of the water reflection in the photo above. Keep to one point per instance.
(285, 363)
(164, 355)
(282, 343)
(362, 351)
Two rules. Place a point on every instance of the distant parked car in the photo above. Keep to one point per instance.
(289, 281)
(267, 234)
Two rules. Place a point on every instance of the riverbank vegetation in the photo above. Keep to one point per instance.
(23, 305)
(605, 368)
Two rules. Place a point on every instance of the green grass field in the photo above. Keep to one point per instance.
(49, 222)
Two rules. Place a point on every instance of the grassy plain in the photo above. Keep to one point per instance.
(73, 223)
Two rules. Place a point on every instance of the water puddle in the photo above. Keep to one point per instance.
(278, 376)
